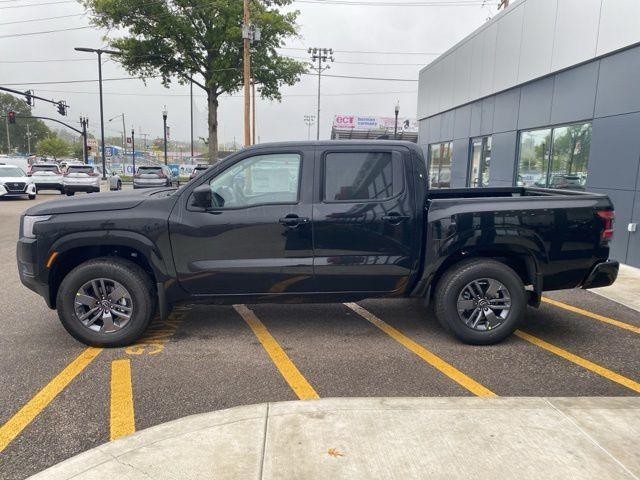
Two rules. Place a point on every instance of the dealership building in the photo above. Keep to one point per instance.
(547, 93)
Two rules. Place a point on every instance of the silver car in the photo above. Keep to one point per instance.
(47, 176)
(152, 176)
(113, 178)
(81, 178)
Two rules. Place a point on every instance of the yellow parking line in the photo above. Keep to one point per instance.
(40, 400)
(595, 316)
(122, 417)
(289, 371)
(431, 358)
(594, 367)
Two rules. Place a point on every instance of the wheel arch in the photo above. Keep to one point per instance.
(74, 249)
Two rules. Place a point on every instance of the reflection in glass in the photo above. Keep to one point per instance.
(534, 158)
(440, 165)
(570, 157)
(257, 180)
(358, 176)
(555, 158)
(480, 162)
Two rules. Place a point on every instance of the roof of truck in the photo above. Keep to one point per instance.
(334, 143)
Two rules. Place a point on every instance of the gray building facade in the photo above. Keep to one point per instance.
(547, 93)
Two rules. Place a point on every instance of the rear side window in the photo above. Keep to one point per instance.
(45, 168)
(362, 176)
(80, 169)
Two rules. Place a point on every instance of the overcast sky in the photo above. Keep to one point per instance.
(397, 28)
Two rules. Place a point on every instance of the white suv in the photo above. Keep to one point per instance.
(15, 183)
(47, 176)
(81, 178)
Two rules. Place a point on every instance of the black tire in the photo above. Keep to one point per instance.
(32, 197)
(70, 194)
(129, 275)
(454, 281)
(119, 187)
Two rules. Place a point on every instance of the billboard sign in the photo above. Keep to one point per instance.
(365, 123)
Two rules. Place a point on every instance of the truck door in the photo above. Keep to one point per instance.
(256, 238)
(364, 220)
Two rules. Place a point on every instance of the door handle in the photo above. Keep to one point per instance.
(395, 218)
(293, 221)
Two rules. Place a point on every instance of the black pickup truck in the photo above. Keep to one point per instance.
(313, 222)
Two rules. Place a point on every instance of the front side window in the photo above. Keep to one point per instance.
(555, 158)
(480, 162)
(440, 165)
(262, 179)
(359, 176)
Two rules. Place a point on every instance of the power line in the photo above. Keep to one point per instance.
(366, 51)
(45, 31)
(370, 78)
(442, 3)
(42, 19)
(38, 4)
(51, 60)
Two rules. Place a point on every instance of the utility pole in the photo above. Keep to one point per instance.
(253, 111)
(28, 140)
(191, 112)
(100, 51)
(164, 121)
(309, 120)
(322, 56)
(133, 150)
(246, 72)
(6, 122)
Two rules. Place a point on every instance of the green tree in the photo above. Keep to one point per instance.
(53, 147)
(201, 40)
(19, 132)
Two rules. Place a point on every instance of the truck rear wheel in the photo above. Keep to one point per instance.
(106, 302)
(480, 301)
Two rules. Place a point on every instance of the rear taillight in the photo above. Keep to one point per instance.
(93, 174)
(607, 217)
(136, 175)
(161, 175)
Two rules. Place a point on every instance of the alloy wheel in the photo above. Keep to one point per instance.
(484, 304)
(103, 305)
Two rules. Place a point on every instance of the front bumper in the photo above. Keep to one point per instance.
(602, 274)
(28, 268)
(29, 189)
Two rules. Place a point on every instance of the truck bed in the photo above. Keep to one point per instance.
(505, 192)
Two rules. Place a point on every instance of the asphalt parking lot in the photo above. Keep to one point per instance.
(59, 398)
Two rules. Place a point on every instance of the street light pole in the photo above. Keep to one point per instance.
(309, 120)
(100, 51)
(247, 74)
(395, 128)
(164, 130)
(321, 55)
(84, 122)
(133, 150)
(191, 113)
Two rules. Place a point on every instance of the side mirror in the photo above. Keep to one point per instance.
(202, 196)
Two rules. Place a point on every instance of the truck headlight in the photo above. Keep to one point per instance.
(29, 221)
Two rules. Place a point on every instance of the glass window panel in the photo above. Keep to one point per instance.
(570, 156)
(258, 180)
(486, 162)
(476, 159)
(435, 154)
(534, 158)
(444, 180)
(358, 176)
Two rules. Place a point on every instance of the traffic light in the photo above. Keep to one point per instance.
(62, 108)
(27, 97)
(12, 117)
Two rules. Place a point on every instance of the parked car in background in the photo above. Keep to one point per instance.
(115, 182)
(197, 170)
(81, 178)
(47, 176)
(15, 183)
(65, 163)
(153, 176)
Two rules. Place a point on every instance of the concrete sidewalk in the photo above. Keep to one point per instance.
(433, 438)
(626, 288)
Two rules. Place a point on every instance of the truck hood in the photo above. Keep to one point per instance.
(95, 202)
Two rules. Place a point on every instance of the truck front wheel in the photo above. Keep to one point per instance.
(480, 301)
(106, 302)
